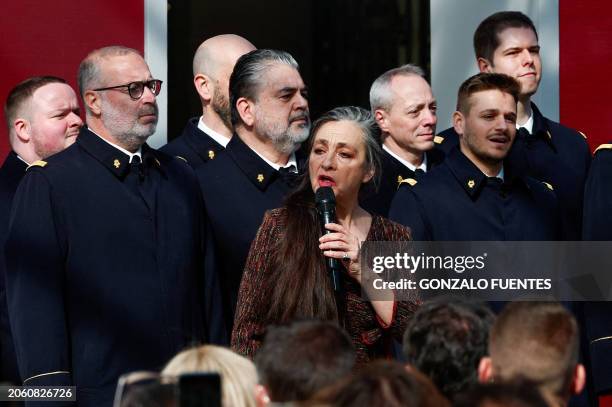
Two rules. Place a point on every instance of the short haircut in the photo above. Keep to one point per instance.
(379, 384)
(89, 69)
(22, 94)
(538, 341)
(515, 394)
(445, 339)
(298, 359)
(249, 71)
(381, 96)
(482, 82)
(486, 36)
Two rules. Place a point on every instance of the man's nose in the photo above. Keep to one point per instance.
(148, 95)
(300, 101)
(74, 120)
(430, 118)
(527, 57)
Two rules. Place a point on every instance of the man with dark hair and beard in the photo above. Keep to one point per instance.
(269, 111)
(105, 251)
(205, 136)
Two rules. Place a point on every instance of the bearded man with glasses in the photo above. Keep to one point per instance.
(105, 255)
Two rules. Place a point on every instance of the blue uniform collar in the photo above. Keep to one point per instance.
(13, 165)
(113, 159)
(12, 171)
(540, 126)
(396, 172)
(469, 176)
(204, 145)
(259, 172)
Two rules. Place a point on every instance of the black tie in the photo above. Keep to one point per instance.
(497, 184)
(496, 181)
(135, 175)
(288, 175)
(522, 133)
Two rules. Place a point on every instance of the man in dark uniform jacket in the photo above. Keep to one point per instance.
(598, 226)
(405, 109)
(507, 42)
(105, 253)
(42, 115)
(471, 195)
(204, 137)
(258, 168)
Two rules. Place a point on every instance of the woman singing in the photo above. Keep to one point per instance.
(285, 276)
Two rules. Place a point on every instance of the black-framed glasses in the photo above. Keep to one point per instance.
(136, 89)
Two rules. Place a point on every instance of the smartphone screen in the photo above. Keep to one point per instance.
(200, 390)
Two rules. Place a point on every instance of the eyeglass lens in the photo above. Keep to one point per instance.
(136, 89)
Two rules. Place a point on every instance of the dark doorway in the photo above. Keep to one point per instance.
(341, 45)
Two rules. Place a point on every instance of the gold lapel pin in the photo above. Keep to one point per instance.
(211, 154)
(471, 183)
(117, 163)
(260, 178)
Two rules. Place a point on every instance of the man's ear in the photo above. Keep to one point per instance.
(485, 370)
(22, 129)
(204, 86)
(245, 109)
(484, 65)
(262, 398)
(459, 122)
(382, 119)
(579, 379)
(92, 102)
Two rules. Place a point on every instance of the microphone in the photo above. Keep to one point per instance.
(325, 201)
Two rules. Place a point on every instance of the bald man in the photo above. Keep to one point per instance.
(203, 137)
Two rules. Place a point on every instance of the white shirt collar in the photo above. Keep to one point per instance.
(123, 150)
(528, 124)
(410, 166)
(218, 137)
(501, 174)
(18, 156)
(291, 161)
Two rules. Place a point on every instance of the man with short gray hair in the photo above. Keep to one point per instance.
(269, 111)
(105, 251)
(405, 109)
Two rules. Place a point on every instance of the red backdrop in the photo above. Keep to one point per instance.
(52, 37)
(40, 37)
(585, 33)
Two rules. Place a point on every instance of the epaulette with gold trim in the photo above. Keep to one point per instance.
(39, 163)
(603, 147)
(438, 139)
(410, 181)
